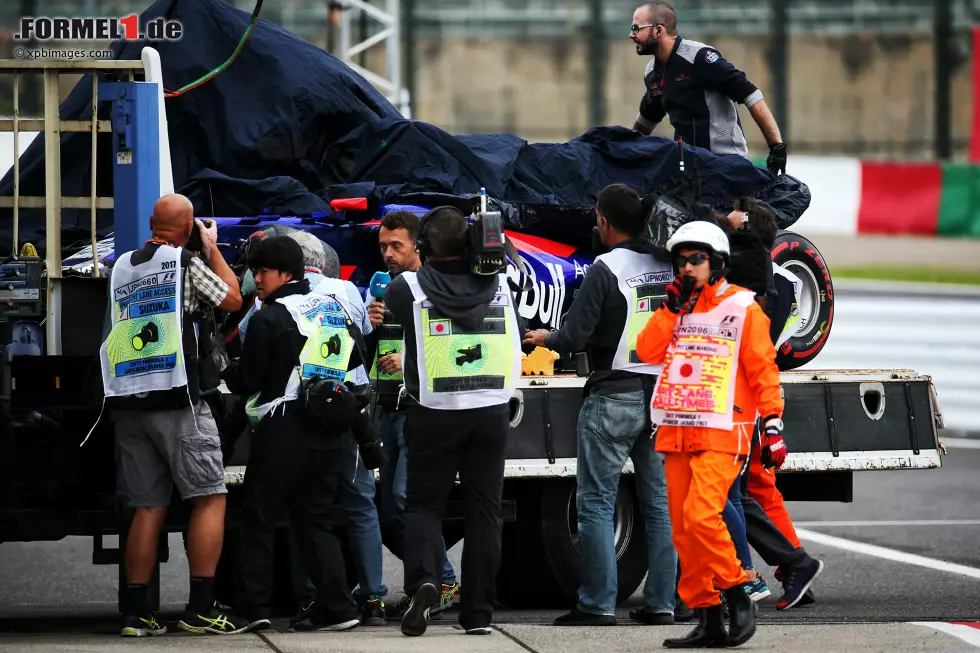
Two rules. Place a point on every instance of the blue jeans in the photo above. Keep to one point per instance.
(734, 518)
(612, 428)
(355, 494)
(391, 429)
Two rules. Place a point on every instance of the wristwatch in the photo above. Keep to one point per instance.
(775, 422)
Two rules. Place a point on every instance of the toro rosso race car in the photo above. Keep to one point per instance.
(547, 274)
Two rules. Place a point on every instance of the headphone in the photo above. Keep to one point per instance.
(422, 242)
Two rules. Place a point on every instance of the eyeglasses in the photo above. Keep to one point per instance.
(634, 28)
(693, 259)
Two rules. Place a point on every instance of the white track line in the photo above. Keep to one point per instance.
(888, 554)
(966, 633)
(961, 443)
(908, 522)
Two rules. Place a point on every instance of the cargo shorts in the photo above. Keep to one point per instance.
(161, 448)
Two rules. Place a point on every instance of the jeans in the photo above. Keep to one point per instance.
(391, 429)
(612, 428)
(355, 494)
(734, 517)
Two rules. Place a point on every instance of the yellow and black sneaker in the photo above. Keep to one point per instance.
(373, 613)
(218, 623)
(135, 626)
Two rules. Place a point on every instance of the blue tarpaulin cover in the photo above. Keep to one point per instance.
(288, 127)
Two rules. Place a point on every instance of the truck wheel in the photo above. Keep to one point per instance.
(544, 553)
(799, 256)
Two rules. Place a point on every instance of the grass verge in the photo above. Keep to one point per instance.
(908, 274)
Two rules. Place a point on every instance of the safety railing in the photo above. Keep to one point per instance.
(52, 126)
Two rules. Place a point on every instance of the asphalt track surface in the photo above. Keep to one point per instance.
(906, 550)
(929, 520)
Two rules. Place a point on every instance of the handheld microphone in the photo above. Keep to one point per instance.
(379, 283)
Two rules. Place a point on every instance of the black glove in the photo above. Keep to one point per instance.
(373, 455)
(777, 158)
(678, 292)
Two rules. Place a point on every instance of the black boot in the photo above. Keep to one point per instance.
(709, 633)
(741, 615)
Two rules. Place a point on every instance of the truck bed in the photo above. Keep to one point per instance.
(836, 420)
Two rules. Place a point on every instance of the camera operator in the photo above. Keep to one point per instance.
(462, 360)
(166, 433)
(299, 349)
(397, 238)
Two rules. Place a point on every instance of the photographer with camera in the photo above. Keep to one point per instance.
(166, 433)
(461, 363)
(299, 350)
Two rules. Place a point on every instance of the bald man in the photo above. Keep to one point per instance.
(166, 433)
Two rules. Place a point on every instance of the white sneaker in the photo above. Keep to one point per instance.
(343, 625)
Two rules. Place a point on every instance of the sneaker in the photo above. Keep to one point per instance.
(416, 618)
(339, 626)
(398, 609)
(450, 597)
(482, 630)
(808, 598)
(757, 589)
(216, 622)
(304, 613)
(797, 583)
(134, 626)
(373, 613)
(649, 618)
(578, 618)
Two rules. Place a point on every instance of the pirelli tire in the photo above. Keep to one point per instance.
(799, 256)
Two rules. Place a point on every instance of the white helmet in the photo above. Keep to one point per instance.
(700, 233)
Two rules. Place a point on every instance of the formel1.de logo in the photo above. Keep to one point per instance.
(98, 29)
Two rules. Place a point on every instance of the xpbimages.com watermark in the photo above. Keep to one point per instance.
(57, 53)
(98, 29)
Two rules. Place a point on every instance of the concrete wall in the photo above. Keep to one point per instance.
(868, 96)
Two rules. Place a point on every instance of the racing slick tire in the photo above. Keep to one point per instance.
(799, 256)
(541, 560)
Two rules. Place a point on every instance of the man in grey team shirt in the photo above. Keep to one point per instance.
(698, 89)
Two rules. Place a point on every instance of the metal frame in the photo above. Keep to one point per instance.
(52, 201)
(815, 461)
(390, 81)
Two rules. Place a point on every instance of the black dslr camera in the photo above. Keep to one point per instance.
(195, 244)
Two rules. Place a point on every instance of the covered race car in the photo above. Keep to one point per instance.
(548, 272)
(289, 134)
